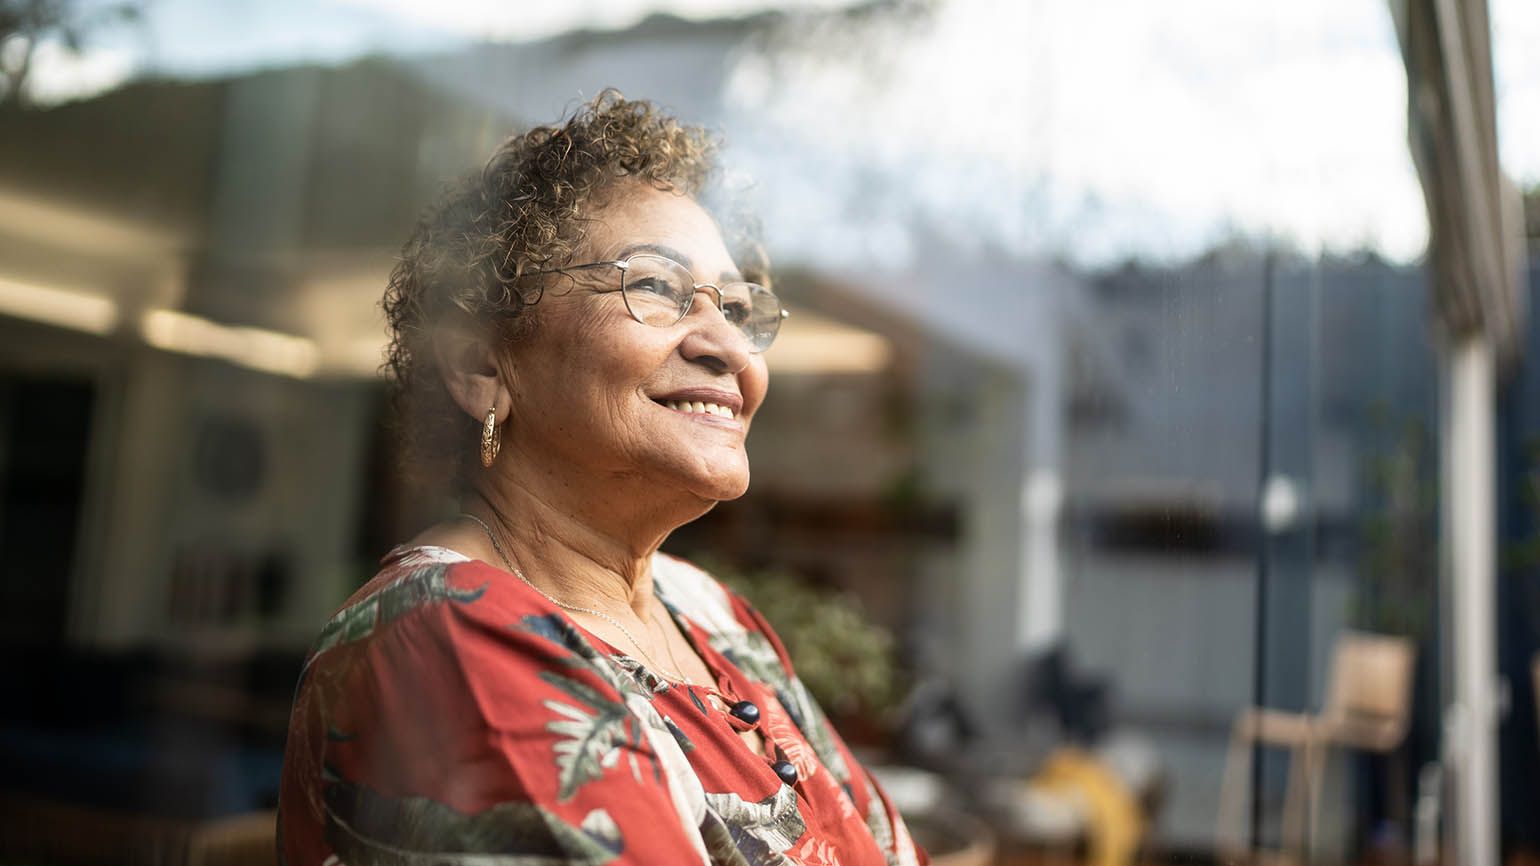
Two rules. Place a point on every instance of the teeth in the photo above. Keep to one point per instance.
(699, 408)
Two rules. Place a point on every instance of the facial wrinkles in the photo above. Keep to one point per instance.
(599, 369)
(585, 330)
(595, 324)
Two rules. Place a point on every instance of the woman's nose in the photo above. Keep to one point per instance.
(713, 339)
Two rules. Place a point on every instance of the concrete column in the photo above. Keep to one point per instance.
(1040, 614)
(1040, 582)
(1469, 564)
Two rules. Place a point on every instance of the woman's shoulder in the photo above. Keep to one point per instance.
(425, 584)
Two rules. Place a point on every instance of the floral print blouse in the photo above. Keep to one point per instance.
(449, 714)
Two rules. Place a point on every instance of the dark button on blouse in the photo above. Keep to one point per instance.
(746, 712)
(786, 771)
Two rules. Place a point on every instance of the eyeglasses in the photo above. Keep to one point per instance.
(659, 291)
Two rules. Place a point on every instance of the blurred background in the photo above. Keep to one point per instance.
(1150, 472)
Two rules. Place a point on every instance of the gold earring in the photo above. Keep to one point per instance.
(490, 441)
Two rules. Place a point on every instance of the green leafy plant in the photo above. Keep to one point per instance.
(1520, 557)
(1523, 554)
(846, 660)
(1400, 535)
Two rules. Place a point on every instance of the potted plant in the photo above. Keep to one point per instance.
(849, 664)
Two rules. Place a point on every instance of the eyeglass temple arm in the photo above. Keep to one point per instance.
(621, 263)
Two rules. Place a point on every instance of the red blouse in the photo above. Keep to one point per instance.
(449, 713)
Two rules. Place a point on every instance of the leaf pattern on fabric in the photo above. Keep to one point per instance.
(425, 584)
(669, 764)
(681, 736)
(622, 673)
(674, 771)
(719, 844)
(596, 723)
(754, 655)
(810, 720)
(877, 822)
(815, 852)
(366, 826)
(558, 630)
(740, 833)
(847, 805)
(691, 591)
(790, 741)
(645, 679)
(588, 743)
(890, 832)
(902, 849)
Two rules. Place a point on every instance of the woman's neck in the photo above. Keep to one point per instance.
(584, 550)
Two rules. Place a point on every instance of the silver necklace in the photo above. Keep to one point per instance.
(508, 563)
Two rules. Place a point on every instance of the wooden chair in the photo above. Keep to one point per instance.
(1368, 707)
(1534, 679)
(239, 840)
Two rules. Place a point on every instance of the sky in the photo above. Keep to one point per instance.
(1128, 127)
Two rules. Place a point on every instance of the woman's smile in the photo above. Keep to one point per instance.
(713, 406)
(666, 407)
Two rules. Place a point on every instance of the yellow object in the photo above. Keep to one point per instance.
(1115, 822)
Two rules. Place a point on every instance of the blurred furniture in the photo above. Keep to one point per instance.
(34, 830)
(953, 838)
(1367, 707)
(1077, 700)
(240, 840)
(146, 731)
(950, 836)
(1056, 778)
(1534, 681)
(1083, 806)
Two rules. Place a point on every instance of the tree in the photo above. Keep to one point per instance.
(27, 24)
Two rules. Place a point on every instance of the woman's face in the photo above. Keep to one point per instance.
(591, 385)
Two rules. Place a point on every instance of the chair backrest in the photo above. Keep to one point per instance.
(1534, 676)
(1369, 692)
(238, 840)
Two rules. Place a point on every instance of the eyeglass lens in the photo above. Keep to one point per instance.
(659, 292)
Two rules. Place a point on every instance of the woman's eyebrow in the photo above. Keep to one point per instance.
(657, 249)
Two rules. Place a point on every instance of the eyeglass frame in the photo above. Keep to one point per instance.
(623, 265)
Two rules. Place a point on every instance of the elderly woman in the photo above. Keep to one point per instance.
(578, 351)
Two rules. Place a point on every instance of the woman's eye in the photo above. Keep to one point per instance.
(656, 287)
(736, 312)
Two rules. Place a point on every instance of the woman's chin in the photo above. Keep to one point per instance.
(710, 477)
(721, 485)
(722, 488)
(732, 492)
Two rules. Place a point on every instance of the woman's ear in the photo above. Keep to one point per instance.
(468, 362)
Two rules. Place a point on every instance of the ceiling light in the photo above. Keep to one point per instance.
(256, 348)
(63, 308)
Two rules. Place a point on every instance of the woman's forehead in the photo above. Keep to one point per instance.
(644, 219)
